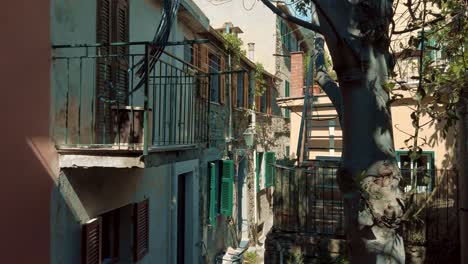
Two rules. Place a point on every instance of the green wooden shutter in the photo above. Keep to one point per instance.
(269, 169)
(227, 181)
(212, 198)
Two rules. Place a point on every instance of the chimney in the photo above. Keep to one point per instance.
(297, 74)
(227, 27)
(251, 51)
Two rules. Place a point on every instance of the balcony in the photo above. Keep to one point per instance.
(118, 99)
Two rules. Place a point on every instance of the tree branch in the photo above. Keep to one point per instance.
(293, 19)
(329, 86)
(329, 21)
(418, 27)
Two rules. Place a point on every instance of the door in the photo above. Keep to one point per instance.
(112, 25)
(181, 195)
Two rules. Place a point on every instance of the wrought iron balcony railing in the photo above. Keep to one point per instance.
(117, 96)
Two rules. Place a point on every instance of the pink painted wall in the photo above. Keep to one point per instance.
(26, 185)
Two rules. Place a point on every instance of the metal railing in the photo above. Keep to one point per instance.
(309, 201)
(115, 96)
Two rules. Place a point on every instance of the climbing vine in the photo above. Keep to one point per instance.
(233, 46)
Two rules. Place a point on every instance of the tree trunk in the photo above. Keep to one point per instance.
(369, 176)
(356, 33)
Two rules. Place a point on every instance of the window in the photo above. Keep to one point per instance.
(220, 186)
(269, 169)
(100, 239)
(264, 103)
(215, 66)
(240, 90)
(258, 169)
(275, 110)
(288, 150)
(188, 53)
(110, 236)
(422, 173)
(430, 46)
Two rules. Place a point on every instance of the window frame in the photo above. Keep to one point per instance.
(428, 166)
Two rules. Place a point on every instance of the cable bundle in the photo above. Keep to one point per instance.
(160, 40)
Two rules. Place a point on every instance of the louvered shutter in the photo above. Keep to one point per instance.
(104, 71)
(222, 85)
(112, 25)
(120, 63)
(204, 66)
(212, 171)
(195, 54)
(258, 103)
(269, 169)
(140, 229)
(227, 181)
(246, 90)
(91, 242)
(234, 89)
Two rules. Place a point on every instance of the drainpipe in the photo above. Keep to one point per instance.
(228, 30)
(252, 125)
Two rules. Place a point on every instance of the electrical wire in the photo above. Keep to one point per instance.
(159, 42)
(249, 9)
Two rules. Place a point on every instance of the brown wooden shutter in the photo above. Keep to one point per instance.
(120, 64)
(91, 242)
(112, 25)
(258, 102)
(205, 68)
(104, 71)
(222, 86)
(234, 89)
(140, 229)
(246, 90)
(195, 54)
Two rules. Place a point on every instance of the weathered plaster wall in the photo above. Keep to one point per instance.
(214, 239)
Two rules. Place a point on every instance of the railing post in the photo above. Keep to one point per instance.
(145, 114)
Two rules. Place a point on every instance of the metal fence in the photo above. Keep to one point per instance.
(117, 96)
(309, 201)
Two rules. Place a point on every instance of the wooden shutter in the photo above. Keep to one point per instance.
(112, 25)
(104, 71)
(234, 89)
(204, 66)
(269, 169)
(222, 85)
(258, 103)
(227, 181)
(91, 242)
(212, 201)
(246, 90)
(140, 229)
(195, 54)
(120, 29)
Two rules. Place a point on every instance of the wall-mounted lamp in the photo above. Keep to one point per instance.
(249, 137)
